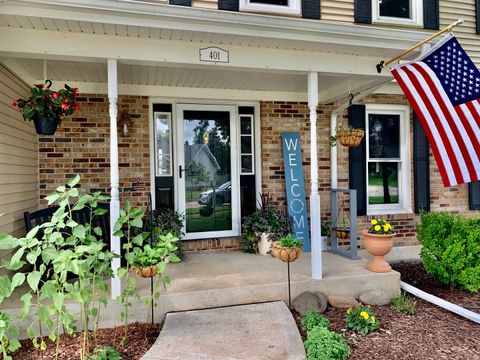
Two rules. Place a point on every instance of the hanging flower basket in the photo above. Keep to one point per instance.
(145, 272)
(47, 107)
(342, 233)
(286, 254)
(350, 137)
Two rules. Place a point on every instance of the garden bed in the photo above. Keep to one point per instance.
(432, 333)
(140, 338)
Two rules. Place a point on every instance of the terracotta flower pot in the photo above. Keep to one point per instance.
(146, 272)
(378, 246)
(286, 254)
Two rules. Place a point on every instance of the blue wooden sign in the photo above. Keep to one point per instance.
(297, 205)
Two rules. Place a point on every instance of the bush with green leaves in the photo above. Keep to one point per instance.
(323, 344)
(451, 249)
(8, 337)
(105, 353)
(66, 249)
(313, 319)
(404, 303)
(362, 319)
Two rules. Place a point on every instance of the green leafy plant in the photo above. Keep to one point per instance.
(163, 250)
(66, 250)
(105, 353)
(8, 337)
(289, 241)
(451, 249)
(404, 303)
(47, 103)
(362, 319)
(313, 319)
(325, 229)
(323, 344)
(380, 227)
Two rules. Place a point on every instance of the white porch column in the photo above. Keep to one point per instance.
(114, 177)
(315, 220)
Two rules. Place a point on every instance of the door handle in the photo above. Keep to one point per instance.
(180, 170)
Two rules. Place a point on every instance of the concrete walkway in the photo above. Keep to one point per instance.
(246, 332)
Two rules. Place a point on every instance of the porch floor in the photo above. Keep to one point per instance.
(209, 280)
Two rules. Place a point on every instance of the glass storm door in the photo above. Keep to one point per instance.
(207, 170)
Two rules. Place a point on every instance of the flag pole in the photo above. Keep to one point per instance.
(383, 64)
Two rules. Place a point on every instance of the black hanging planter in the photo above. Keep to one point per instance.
(45, 125)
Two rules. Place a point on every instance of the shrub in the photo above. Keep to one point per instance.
(362, 319)
(404, 303)
(451, 249)
(323, 344)
(313, 319)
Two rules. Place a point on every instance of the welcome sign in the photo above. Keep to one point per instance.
(297, 205)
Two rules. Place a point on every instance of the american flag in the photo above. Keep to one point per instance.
(443, 87)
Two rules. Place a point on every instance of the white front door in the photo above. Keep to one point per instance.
(207, 176)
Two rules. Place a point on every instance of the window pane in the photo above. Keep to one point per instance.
(271, 2)
(246, 144)
(382, 183)
(247, 164)
(245, 125)
(395, 8)
(384, 131)
(163, 143)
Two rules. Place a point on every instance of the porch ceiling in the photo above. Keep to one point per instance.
(91, 77)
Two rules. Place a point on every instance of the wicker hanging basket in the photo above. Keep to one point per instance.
(145, 272)
(350, 137)
(286, 254)
(342, 233)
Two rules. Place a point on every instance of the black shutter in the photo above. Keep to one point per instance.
(474, 195)
(311, 9)
(431, 14)
(231, 5)
(181, 2)
(363, 11)
(477, 9)
(421, 167)
(357, 159)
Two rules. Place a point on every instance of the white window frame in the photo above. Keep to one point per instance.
(404, 204)
(416, 19)
(294, 7)
(169, 118)
(252, 138)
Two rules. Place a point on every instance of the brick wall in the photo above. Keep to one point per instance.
(81, 146)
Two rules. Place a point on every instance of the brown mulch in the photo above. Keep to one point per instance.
(431, 334)
(415, 275)
(140, 338)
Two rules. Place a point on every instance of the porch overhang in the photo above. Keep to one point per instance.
(275, 52)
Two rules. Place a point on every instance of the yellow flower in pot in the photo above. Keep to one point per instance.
(378, 241)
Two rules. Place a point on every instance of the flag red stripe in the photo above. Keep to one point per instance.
(447, 115)
(474, 111)
(444, 137)
(471, 133)
(423, 121)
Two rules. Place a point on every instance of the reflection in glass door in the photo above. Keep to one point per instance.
(207, 173)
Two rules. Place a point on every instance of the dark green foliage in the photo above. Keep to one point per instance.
(451, 249)
(404, 303)
(266, 219)
(313, 319)
(323, 344)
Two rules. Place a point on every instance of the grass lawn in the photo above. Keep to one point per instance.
(219, 220)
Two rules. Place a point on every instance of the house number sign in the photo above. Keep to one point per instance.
(214, 54)
(295, 188)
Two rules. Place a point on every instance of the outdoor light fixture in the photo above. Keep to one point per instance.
(124, 123)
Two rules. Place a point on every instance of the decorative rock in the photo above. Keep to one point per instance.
(307, 301)
(374, 297)
(342, 302)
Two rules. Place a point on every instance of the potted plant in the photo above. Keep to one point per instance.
(266, 224)
(341, 227)
(378, 241)
(47, 107)
(347, 136)
(148, 260)
(325, 234)
(288, 249)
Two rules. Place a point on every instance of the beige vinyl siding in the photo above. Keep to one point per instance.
(18, 157)
(451, 10)
(205, 4)
(337, 10)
